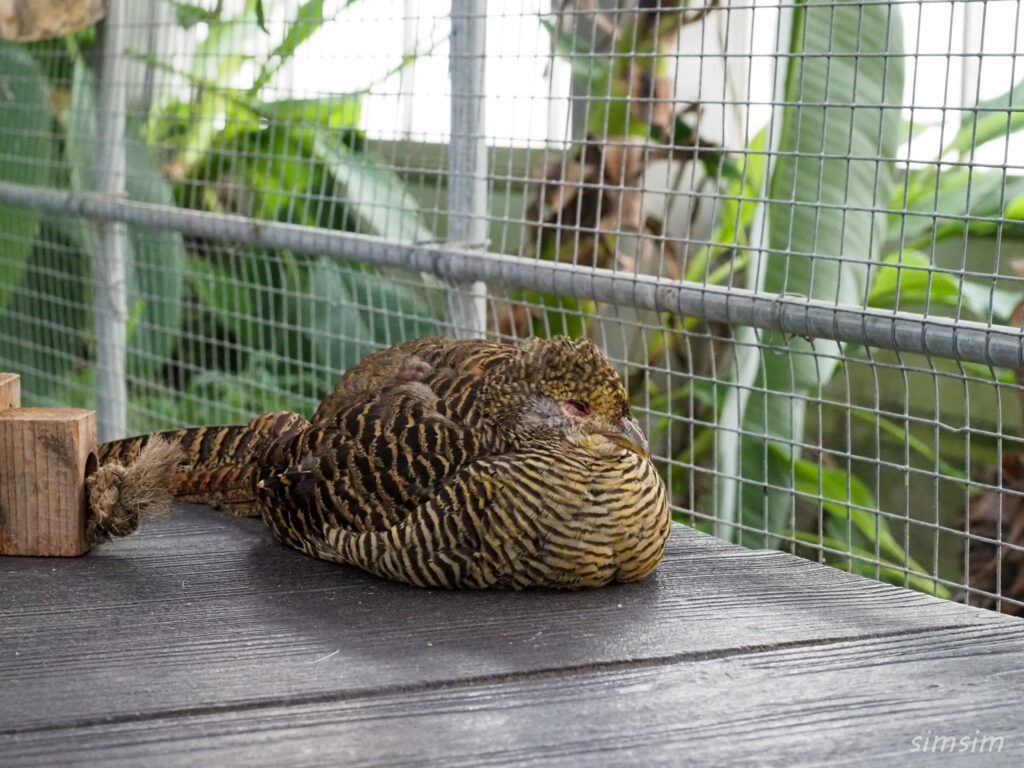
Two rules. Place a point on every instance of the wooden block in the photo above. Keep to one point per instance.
(10, 391)
(45, 454)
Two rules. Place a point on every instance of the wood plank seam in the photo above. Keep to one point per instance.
(469, 683)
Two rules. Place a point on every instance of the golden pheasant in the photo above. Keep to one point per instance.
(448, 463)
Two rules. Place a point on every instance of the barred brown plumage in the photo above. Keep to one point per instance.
(449, 463)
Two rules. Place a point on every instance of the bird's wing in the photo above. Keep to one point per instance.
(367, 468)
(414, 361)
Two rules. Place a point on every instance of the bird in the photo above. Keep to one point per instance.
(445, 463)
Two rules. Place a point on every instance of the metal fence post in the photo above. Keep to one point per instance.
(748, 353)
(467, 159)
(108, 268)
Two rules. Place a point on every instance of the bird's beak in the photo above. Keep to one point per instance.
(631, 437)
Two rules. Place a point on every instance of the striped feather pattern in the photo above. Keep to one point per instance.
(444, 463)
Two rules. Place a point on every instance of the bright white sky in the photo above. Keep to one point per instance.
(526, 104)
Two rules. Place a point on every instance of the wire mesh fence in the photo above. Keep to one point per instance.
(795, 227)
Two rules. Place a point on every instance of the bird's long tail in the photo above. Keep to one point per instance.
(208, 465)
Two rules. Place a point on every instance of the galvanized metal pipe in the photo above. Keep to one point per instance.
(964, 340)
(109, 272)
(467, 158)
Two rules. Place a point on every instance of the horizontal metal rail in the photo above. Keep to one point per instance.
(962, 340)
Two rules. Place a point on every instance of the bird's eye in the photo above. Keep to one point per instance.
(579, 407)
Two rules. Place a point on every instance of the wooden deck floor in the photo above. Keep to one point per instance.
(201, 641)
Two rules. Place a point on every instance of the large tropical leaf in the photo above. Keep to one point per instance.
(840, 111)
(396, 310)
(45, 324)
(227, 297)
(376, 202)
(935, 211)
(25, 157)
(155, 258)
(338, 330)
(351, 310)
(190, 125)
(909, 281)
(991, 119)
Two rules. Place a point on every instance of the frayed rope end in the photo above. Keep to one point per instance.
(119, 496)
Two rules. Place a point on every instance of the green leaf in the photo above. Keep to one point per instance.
(308, 20)
(226, 296)
(336, 113)
(910, 279)
(991, 119)
(839, 106)
(820, 221)
(375, 199)
(561, 316)
(614, 112)
(716, 161)
(189, 14)
(201, 132)
(738, 204)
(45, 326)
(190, 126)
(396, 311)
(926, 211)
(573, 49)
(155, 258)
(918, 446)
(275, 167)
(1014, 210)
(280, 308)
(845, 496)
(261, 19)
(25, 157)
(229, 43)
(337, 329)
(847, 500)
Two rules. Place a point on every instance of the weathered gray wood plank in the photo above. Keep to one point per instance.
(860, 702)
(203, 610)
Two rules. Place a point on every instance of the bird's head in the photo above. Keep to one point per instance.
(576, 392)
